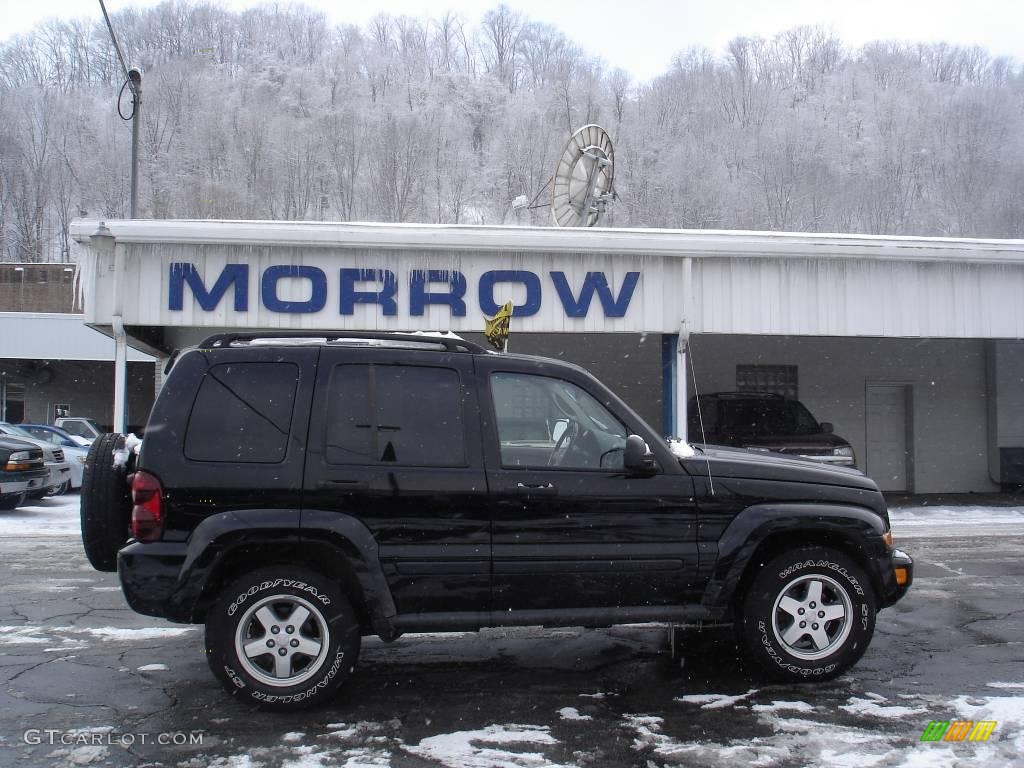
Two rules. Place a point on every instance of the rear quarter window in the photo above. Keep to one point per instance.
(243, 413)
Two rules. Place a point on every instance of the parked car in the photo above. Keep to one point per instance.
(75, 448)
(81, 426)
(59, 480)
(765, 422)
(56, 435)
(299, 491)
(22, 471)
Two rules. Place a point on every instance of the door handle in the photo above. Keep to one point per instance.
(348, 485)
(536, 488)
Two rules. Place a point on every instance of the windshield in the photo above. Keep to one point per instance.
(766, 418)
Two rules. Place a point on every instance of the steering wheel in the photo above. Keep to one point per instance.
(562, 444)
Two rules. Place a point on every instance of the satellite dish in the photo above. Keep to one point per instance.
(583, 179)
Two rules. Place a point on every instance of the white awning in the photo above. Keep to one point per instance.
(46, 336)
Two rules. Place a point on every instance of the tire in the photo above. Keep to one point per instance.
(106, 503)
(801, 586)
(7, 503)
(61, 489)
(255, 609)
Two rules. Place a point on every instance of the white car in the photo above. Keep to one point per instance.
(80, 426)
(60, 470)
(75, 448)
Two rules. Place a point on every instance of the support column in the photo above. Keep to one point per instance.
(120, 373)
(681, 398)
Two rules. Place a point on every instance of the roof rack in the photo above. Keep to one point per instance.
(450, 343)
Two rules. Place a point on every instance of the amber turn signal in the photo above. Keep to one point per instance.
(901, 576)
(887, 538)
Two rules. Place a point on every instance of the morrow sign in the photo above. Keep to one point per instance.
(303, 289)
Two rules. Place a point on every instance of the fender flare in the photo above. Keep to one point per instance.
(355, 540)
(751, 527)
(220, 535)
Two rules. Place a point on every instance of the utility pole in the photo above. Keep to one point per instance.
(135, 78)
(104, 240)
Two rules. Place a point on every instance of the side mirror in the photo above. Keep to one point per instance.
(826, 427)
(638, 458)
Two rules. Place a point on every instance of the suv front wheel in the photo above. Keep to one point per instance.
(808, 614)
(282, 638)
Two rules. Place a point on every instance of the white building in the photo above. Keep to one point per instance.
(911, 347)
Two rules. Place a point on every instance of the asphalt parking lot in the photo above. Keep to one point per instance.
(85, 681)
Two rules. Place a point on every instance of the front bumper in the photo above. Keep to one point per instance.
(22, 482)
(60, 473)
(896, 574)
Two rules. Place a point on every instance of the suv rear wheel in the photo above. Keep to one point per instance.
(808, 614)
(282, 638)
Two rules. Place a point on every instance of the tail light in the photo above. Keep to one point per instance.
(147, 509)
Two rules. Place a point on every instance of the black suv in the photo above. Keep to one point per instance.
(762, 421)
(295, 493)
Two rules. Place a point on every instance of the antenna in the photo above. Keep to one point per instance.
(582, 185)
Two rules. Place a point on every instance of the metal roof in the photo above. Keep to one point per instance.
(700, 243)
(46, 336)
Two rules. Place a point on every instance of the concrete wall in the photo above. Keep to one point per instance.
(88, 387)
(948, 378)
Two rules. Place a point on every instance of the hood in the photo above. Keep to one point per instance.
(815, 440)
(739, 463)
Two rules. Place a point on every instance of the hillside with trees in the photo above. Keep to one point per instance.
(273, 113)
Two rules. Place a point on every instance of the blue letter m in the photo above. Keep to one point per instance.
(182, 273)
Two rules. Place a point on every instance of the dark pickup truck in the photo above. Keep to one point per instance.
(22, 471)
(297, 492)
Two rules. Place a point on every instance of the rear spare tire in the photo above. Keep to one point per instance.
(106, 501)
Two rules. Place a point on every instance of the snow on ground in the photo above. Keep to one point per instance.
(783, 706)
(571, 713)
(918, 521)
(69, 638)
(55, 516)
(791, 732)
(485, 747)
(871, 707)
(715, 700)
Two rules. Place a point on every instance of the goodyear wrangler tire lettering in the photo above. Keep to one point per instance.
(806, 614)
(282, 638)
(254, 590)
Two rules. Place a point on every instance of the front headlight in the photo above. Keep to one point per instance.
(843, 450)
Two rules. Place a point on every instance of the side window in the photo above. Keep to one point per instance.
(243, 413)
(393, 414)
(543, 421)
